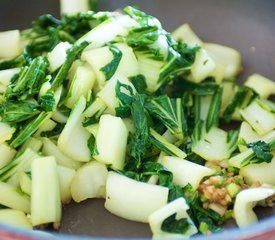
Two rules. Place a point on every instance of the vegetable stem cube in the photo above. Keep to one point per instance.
(45, 196)
(10, 45)
(111, 141)
(131, 199)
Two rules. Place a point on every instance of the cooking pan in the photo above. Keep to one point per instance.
(246, 25)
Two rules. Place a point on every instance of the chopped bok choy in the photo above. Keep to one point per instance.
(110, 105)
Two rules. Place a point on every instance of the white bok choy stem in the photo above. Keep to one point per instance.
(45, 196)
(15, 217)
(245, 201)
(133, 200)
(178, 207)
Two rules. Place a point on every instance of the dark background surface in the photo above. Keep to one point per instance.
(247, 25)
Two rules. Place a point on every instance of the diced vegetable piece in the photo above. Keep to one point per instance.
(6, 132)
(65, 177)
(182, 168)
(45, 197)
(178, 208)
(10, 45)
(202, 67)
(108, 93)
(247, 134)
(48, 125)
(74, 6)
(131, 196)
(93, 129)
(13, 198)
(95, 109)
(7, 154)
(186, 34)
(236, 161)
(258, 115)
(213, 145)
(6, 76)
(89, 182)
(150, 69)
(74, 137)
(21, 163)
(45, 87)
(119, 58)
(15, 218)
(229, 57)
(111, 141)
(233, 189)
(50, 149)
(25, 183)
(245, 201)
(58, 116)
(81, 85)
(109, 30)
(262, 85)
(162, 144)
(58, 55)
(259, 173)
(29, 129)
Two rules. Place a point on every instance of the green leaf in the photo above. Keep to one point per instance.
(47, 101)
(124, 95)
(144, 36)
(110, 69)
(142, 18)
(12, 63)
(153, 168)
(29, 129)
(198, 214)
(212, 119)
(140, 140)
(175, 191)
(179, 61)
(29, 81)
(18, 111)
(173, 225)
(243, 96)
(262, 151)
(139, 82)
(72, 54)
(170, 112)
(162, 144)
(92, 145)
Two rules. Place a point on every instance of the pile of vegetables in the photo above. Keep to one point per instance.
(110, 105)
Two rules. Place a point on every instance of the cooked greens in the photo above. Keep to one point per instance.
(107, 99)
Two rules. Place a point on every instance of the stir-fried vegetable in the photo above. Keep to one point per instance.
(110, 105)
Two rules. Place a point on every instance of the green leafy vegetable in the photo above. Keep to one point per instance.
(162, 144)
(205, 219)
(110, 69)
(214, 109)
(29, 81)
(18, 111)
(47, 101)
(124, 94)
(262, 151)
(29, 129)
(140, 140)
(170, 112)
(243, 96)
(92, 145)
(173, 225)
(73, 52)
(139, 82)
